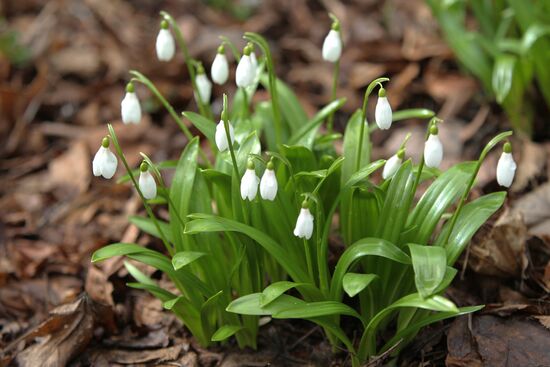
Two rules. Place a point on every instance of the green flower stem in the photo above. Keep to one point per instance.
(225, 120)
(262, 43)
(364, 122)
(309, 261)
(497, 139)
(139, 77)
(234, 50)
(145, 204)
(245, 104)
(189, 62)
(335, 75)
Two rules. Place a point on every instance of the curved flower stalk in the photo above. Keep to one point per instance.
(204, 86)
(104, 162)
(433, 149)
(147, 183)
(165, 45)
(506, 168)
(268, 183)
(220, 67)
(383, 112)
(130, 109)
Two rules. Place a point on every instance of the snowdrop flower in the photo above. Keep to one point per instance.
(246, 72)
(383, 113)
(304, 224)
(220, 67)
(130, 109)
(433, 150)
(146, 182)
(166, 46)
(332, 45)
(268, 184)
(221, 136)
(204, 86)
(104, 162)
(393, 164)
(249, 183)
(253, 59)
(506, 167)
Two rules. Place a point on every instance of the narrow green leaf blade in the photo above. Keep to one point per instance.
(429, 264)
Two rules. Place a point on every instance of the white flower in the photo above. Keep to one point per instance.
(249, 183)
(254, 62)
(130, 109)
(506, 167)
(104, 162)
(204, 87)
(304, 224)
(221, 136)
(220, 68)
(383, 113)
(268, 184)
(392, 165)
(433, 151)
(332, 46)
(245, 74)
(166, 46)
(147, 183)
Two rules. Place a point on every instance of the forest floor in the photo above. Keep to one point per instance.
(63, 80)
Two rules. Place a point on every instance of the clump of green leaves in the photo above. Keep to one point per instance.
(508, 53)
(235, 257)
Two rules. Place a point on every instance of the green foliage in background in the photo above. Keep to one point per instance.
(509, 51)
(232, 261)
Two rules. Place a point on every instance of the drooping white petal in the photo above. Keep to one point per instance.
(268, 185)
(433, 151)
(220, 69)
(304, 224)
(391, 166)
(506, 169)
(221, 136)
(332, 46)
(104, 163)
(383, 113)
(204, 86)
(166, 46)
(130, 109)
(254, 61)
(147, 185)
(244, 76)
(249, 185)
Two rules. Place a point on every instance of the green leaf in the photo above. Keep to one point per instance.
(119, 249)
(429, 264)
(225, 332)
(251, 305)
(206, 126)
(316, 309)
(306, 134)
(503, 74)
(155, 290)
(287, 259)
(351, 143)
(138, 274)
(291, 108)
(354, 283)
(362, 248)
(470, 219)
(251, 145)
(208, 313)
(147, 226)
(184, 258)
(273, 291)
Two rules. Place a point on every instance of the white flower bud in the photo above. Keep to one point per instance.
(147, 183)
(220, 69)
(391, 166)
(249, 183)
(245, 74)
(104, 162)
(254, 61)
(304, 224)
(268, 183)
(332, 46)
(383, 112)
(166, 46)
(204, 87)
(433, 151)
(506, 167)
(221, 136)
(130, 109)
